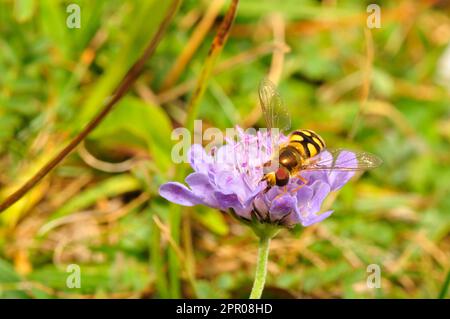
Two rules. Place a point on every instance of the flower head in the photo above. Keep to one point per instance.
(229, 179)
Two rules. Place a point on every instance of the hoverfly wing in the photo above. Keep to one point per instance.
(275, 113)
(343, 160)
(266, 92)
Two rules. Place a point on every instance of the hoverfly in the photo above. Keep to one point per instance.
(304, 150)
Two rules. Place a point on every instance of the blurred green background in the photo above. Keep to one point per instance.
(382, 90)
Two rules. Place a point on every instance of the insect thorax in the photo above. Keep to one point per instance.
(290, 158)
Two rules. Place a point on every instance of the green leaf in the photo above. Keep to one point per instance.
(444, 288)
(93, 278)
(144, 20)
(9, 276)
(53, 24)
(146, 121)
(7, 272)
(213, 220)
(113, 186)
(24, 9)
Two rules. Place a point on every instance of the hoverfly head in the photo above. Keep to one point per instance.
(282, 176)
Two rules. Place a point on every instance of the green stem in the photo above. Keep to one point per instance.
(445, 286)
(261, 267)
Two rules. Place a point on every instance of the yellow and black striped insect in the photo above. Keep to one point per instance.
(304, 150)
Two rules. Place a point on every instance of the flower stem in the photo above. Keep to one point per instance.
(261, 267)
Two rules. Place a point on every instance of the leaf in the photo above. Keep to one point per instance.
(144, 21)
(445, 286)
(292, 9)
(315, 278)
(110, 187)
(213, 220)
(53, 24)
(9, 276)
(13, 213)
(146, 121)
(93, 278)
(24, 9)
(7, 272)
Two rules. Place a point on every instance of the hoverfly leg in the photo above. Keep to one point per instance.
(285, 190)
(267, 189)
(297, 188)
(304, 181)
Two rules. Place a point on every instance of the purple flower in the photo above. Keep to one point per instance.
(229, 179)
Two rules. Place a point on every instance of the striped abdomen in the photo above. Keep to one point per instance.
(306, 142)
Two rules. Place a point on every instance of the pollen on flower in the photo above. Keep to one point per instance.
(229, 179)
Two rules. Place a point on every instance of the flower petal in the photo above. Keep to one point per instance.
(321, 191)
(179, 194)
(312, 176)
(198, 158)
(243, 212)
(226, 156)
(337, 179)
(312, 219)
(230, 183)
(226, 201)
(261, 207)
(282, 206)
(202, 188)
(304, 195)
